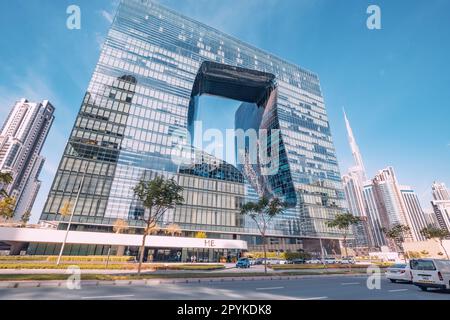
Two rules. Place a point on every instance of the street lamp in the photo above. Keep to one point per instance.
(71, 214)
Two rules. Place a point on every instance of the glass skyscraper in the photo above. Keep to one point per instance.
(153, 66)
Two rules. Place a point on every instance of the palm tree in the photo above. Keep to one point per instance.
(343, 221)
(262, 213)
(398, 233)
(431, 232)
(173, 229)
(157, 196)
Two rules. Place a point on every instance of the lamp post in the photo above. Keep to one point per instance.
(71, 215)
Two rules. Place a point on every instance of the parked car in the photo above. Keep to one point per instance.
(252, 261)
(296, 261)
(430, 273)
(313, 261)
(347, 260)
(243, 263)
(329, 260)
(399, 272)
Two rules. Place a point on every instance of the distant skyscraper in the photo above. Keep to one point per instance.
(374, 208)
(440, 191)
(359, 165)
(430, 217)
(441, 210)
(389, 193)
(398, 204)
(441, 205)
(353, 187)
(21, 140)
(415, 213)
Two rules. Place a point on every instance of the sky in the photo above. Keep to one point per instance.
(394, 83)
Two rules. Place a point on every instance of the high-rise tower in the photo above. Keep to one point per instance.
(21, 140)
(153, 66)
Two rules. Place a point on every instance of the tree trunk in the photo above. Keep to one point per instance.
(265, 254)
(346, 252)
(442, 246)
(141, 252)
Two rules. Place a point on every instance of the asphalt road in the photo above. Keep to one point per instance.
(313, 288)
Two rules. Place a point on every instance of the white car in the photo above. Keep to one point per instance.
(430, 273)
(399, 272)
(331, 261)
(313, 261)
(346, 261)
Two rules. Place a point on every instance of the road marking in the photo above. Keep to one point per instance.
(315, 298)
(349, 283)
(270, 288)
(398, 290)
(109, 297)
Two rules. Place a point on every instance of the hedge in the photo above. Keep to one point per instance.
(130, 266)
(315, 266)
(91, 258)
(68, 258)
(23, 258)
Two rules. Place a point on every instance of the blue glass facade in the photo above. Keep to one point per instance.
(141, 95)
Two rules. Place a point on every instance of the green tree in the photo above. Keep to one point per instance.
(343, 221)
(157, 196)
(5, 179)
(25, 218)
(262, 213)
(7, 206)
(438, 234)
(398, 233)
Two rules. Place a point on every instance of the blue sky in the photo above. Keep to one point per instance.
(394, 83)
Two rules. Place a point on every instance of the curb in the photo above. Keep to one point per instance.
(153, 282)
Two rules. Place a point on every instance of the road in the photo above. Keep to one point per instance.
(309, 288)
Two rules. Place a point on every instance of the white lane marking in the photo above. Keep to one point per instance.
(314, 298)
(270, 288)
(109, 297)
(349, 283)
(398, 290)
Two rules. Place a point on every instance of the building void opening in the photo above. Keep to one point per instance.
(257, 94)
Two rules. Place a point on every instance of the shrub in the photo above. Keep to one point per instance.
(91, 258)
(128, 266)
(312, 266)
(23, 258)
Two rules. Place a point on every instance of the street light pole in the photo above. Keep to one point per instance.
(71, 215)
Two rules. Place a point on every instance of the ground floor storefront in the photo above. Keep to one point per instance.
(157, 248)
(161, 254)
